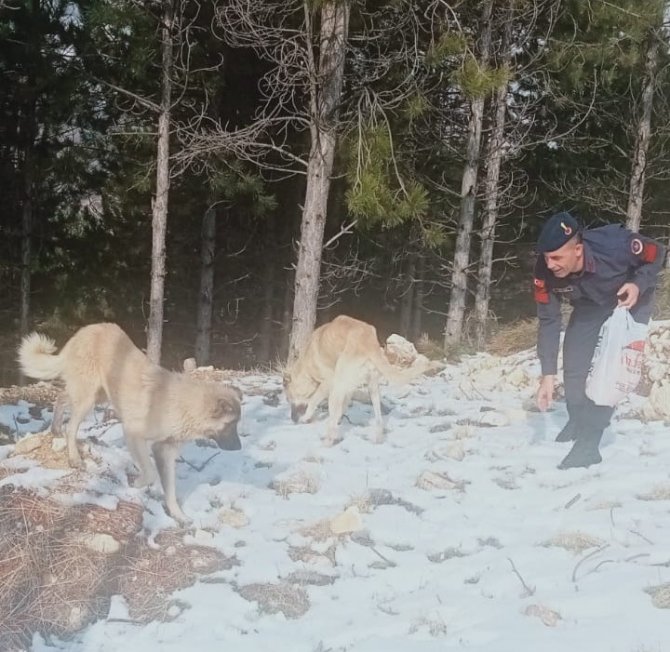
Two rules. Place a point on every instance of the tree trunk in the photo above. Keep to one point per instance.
(459, 275)
(408, 298)
(203, 339)
(419, 293)
(494, 159)
(491, 190)
(160, 205)
(638, 170)
(28, 174)
(326, 88)
(270, 274)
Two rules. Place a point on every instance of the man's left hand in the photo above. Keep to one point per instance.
(628, 295)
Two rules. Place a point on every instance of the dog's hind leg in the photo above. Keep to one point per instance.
(139, 451)
(373, 386)
(59, 412)
(81, 402)
(165, 453)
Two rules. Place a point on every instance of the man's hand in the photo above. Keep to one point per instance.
(545, 394)
(628, 294)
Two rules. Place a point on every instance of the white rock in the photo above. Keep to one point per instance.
(99, 542)
(58, 444)
(233, 517)
(400, 351)
(348, 521)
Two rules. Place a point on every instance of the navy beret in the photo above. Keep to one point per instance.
(557, 230)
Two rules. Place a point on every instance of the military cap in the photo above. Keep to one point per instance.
(557, 230)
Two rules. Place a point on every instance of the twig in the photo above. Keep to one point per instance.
(529, 590)
(572, 501)
(583, 559)
(199, 467)
(651, 543)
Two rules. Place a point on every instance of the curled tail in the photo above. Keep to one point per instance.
(37, 359)
(399, 376)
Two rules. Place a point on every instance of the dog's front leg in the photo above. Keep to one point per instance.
(321, 394)
(139, 451)
(336, 404)
(165, 453)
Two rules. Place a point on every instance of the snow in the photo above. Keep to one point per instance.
(480, 564)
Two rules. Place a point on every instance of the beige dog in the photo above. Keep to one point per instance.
(154, 405)
(340, 356)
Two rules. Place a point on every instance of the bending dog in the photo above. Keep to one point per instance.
(155, 406)
(340, 356)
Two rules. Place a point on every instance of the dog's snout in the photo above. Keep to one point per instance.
(297, 410)
(228, 439)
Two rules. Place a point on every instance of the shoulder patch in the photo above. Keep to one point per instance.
(647, 251)
(540, 291)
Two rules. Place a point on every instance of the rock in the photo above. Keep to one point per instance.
(348, 521)
(233, 517)
(494, 419)
(27, 444)
(98, 542)
(548, 616)
(58, 445)
(518, 377)
(190, 365)
(400, 351)
(430, 480)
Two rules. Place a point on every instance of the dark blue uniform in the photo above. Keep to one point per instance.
(613, 255)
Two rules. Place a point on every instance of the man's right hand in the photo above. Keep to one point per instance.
(545, 394)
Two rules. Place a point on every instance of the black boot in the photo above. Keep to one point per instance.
(569, 432)
(583, 453)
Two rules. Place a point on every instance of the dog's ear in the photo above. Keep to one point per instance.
(236, 390)
(287, 379)
(226, 406)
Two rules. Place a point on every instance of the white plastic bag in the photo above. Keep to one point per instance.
(617, 361)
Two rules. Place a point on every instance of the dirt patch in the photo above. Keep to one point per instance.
(59, 566)
(291, 600)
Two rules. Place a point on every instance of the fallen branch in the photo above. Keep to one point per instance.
(529, 591)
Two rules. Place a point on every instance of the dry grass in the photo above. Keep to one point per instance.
(297, 483)
(659, 492)
(56, 577)
(432, 349)
(41, 394)
(660, 595)
(291, 600)
(512, 337)
(576, 542)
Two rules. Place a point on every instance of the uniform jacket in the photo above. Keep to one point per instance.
(613, 255)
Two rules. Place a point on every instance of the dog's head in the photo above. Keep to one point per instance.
(298, 388)
(221, 412)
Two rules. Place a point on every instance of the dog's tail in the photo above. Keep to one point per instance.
(37, 359)
(400, 376)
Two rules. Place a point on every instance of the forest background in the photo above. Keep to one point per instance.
(219, 177)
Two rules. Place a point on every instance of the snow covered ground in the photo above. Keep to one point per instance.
(460, 532)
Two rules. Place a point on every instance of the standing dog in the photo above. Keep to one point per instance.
(339, 357)
(154, 405)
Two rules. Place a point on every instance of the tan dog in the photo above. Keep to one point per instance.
(154, 405)
(339, 357)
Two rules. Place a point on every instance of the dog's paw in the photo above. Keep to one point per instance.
(76, 462)
(331, 440)
(142, 481)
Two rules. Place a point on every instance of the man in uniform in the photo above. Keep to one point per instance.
(596, 270)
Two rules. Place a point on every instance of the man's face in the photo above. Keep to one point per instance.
(566, 260)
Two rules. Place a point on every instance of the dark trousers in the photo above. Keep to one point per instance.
(581, 337)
